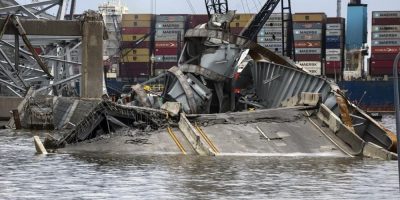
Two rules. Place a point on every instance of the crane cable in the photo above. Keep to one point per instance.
(191, 6)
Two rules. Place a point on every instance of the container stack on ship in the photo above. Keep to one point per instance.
(170, 32)
(135, 62)
(240, 22)
(385, 42)
(271, 34)
(334, 43)
(309, 29)
(195, 20)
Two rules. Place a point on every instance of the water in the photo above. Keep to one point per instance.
(24, 175)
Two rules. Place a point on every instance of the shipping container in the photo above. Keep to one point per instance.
(307, 31)
(277, 17)
(333, 67)
(236, 31)
(335, 20)
(392, 42)
(135, 30)
(270, 25)
(308, 51)
(307, 37)
(136, 51)
(333, 57)
(168, 44)
(168, 38)
(308, 57)
(131, 70)
(242, 17)
(334, 51)
(194, 20)
(271, 45)
(307, 44)
(164, 65)
(269, 39)
(138, 58)
(166, 58)
(139, 17)
(333, 39)
(386, 35)
(238, 24)
(378, 68)
(334, 32)
(386, 49)
(384, 56)
(386, 21)
(170, 25)
(135, 23)
(385, 14)
(333, 45)
(309, 17)
(134, 37)
(169, 32)
(130, 44)
(166, 51)
(333, 26)
(313, 67)
(307, 25)
(170, 18)
(265, 32)
(386, 28)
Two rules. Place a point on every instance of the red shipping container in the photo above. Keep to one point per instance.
(131, 70)
(125, 45)
(383, 56)
(135, 30)
(309, 57)
(385, 49)
(164, 65)
(304, 44)
(332, 67)
(164, 51)
(385, 21)
(236, 31)
(335, 20)
(194, 20)
(160, 44)
(378, 68)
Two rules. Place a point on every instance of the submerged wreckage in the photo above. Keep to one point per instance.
(227, 96)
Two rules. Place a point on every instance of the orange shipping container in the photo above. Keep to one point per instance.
(309, 17)
(140, 17)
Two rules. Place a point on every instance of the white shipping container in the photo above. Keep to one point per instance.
(308, 50)
(333, 58)
(307, 31)
(386, 28)
(333, 26)
(386, 35)
(312, 67)
(333, 51)
(386, 14)
(333, 32)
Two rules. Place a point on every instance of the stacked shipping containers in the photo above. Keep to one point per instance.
(334, 43)
(240, 22)
(166, 50)
(194, 20)
(385, 41)
(308, 31)
(135, 62)
(270, 35)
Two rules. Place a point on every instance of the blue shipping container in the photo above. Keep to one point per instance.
(333, 39)
(332, 45)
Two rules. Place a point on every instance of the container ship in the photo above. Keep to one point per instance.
(332, 47)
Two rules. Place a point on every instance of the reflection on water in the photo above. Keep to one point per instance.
(28, 176)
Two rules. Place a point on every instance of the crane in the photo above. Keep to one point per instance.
(216, 6)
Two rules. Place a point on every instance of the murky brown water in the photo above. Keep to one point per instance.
(24, 175)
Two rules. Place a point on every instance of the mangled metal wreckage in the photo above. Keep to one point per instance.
(227, 96)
